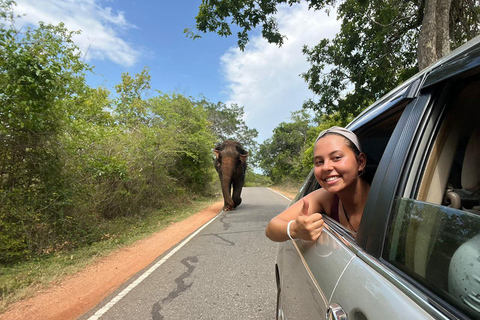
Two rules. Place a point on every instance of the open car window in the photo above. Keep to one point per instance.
(374, 137)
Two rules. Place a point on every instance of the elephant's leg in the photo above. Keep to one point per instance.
(228, 203)
(237, 191)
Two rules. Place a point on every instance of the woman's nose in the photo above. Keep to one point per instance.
(328, 165)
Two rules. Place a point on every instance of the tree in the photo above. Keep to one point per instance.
(41, 76)
(130, 105)
(228, 124)
(187, 136)
(381, 43)
(280, 156)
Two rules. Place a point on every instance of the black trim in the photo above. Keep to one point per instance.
(384, 185)
(459, 64)
(434, 112)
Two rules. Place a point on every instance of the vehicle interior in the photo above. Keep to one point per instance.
(452, 175)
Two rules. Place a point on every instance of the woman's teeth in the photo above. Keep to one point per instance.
(331, 178)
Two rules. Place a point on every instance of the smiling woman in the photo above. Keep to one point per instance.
(338, 167)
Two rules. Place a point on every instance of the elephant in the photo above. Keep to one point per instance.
(231, 165)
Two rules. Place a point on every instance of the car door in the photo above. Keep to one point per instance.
(309, 272)
(304, 293)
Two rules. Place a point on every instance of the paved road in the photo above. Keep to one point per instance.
(226, 271)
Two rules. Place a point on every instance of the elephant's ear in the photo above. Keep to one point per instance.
(217, 153)
(243, 157)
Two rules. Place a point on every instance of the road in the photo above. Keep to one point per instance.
(226, 271)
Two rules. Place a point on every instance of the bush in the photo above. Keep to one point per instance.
(253, 179)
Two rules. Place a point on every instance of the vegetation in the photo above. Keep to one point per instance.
(21, 280)
(287, 157)
(253, 179)
(75, 161)
(380, 44)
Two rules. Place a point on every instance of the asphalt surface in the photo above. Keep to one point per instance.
(226, 271)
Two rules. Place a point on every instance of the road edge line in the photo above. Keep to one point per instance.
(135, 283)
(280, 194)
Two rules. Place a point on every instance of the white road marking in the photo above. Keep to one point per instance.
(135, 283)
(280, 194)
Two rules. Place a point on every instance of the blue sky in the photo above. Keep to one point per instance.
(125, 36)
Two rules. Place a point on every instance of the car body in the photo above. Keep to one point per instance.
(416, 254)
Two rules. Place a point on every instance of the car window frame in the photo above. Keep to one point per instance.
(387, 177)
(425, 135)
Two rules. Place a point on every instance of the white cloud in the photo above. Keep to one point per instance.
(99, 39)
(264, 79)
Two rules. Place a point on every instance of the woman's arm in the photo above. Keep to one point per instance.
(307, 222)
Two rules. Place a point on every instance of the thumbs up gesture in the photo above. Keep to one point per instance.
(309, 226)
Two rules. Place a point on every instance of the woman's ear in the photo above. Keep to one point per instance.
(362, 161)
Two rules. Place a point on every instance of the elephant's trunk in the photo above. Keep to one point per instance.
(228, 170)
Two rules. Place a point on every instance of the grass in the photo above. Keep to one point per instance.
(23, 279)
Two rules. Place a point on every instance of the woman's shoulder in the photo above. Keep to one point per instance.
(322, 201)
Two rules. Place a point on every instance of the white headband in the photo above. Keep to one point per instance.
(344, 133)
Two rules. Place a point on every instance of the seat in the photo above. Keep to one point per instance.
(471, 174)
(468, 196)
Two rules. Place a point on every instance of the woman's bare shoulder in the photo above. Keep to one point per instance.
(320, 201)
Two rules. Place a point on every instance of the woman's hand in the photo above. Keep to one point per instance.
(307, 226)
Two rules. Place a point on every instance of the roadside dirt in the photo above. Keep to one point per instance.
(77, 294)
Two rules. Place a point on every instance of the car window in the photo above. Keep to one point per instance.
(434, 233)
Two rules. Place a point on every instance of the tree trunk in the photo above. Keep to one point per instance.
(434, 36)
(427, 38)
(443, 27)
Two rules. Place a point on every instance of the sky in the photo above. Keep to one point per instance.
(119, 36)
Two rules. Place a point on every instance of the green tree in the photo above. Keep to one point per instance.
(381, 43)
(280, 156)
(187, 136)
(227, 123)
(130, 106)
(40, 69)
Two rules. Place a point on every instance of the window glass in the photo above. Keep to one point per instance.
(434, 237)
(440, 247)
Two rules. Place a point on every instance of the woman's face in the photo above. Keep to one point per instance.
(335, 164)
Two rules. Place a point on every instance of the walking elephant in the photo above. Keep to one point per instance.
(231, 165)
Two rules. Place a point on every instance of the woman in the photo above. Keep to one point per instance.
(338, 166)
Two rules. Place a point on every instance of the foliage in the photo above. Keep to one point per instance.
(280, 155)
(216, 16)
(253, 179)
(130, 107)
(39, 69)
(192, 142)
(75, 161)
(227, 123)
(374, 51)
